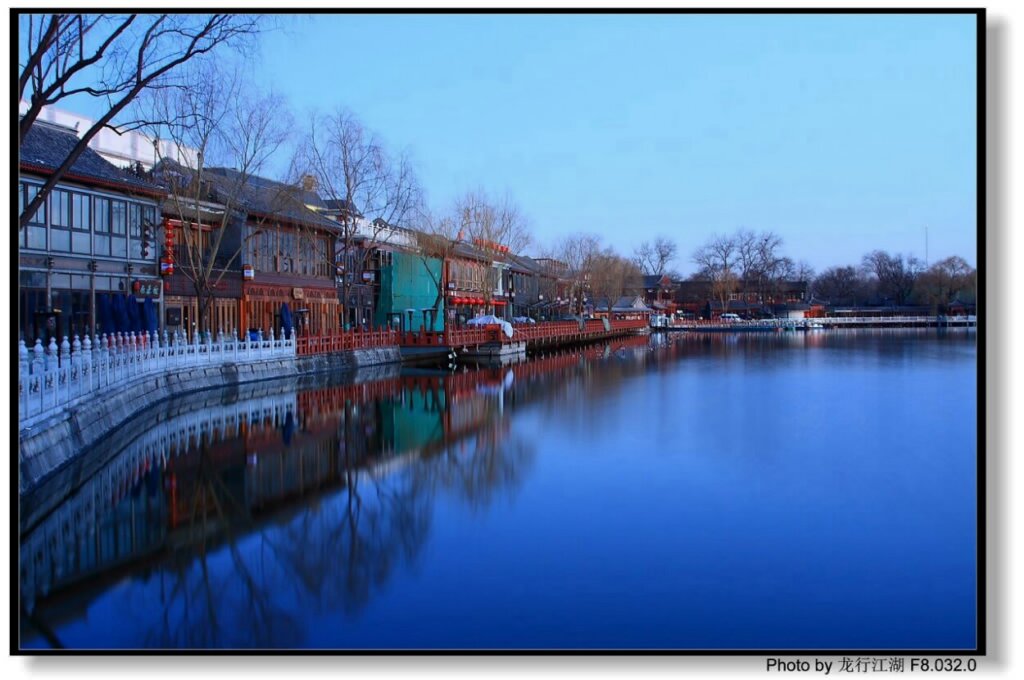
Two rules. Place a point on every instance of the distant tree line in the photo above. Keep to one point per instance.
(893, 279)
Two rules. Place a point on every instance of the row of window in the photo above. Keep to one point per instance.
(76, 222)
(288, 252)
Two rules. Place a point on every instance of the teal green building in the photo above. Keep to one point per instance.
(409, 282)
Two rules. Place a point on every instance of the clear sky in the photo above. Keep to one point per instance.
(841, 133)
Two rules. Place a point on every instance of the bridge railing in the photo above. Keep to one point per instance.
(55, 377)
(345, 341)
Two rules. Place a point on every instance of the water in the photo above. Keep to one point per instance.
(808, 491)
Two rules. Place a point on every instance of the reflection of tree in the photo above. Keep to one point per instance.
(491, 463)
(203, 607)
(337, 556)
(251, 558)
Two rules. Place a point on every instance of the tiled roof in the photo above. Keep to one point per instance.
(267, 197)
(46, 146)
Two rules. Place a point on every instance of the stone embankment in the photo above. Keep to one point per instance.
(48, 445)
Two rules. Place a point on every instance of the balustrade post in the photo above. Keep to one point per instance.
(87, 362)
(98, 360)
(23, 366)
(51, 355)
(38, 364)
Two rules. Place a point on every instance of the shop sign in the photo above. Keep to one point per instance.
(298, 294)
(147, 288)
(248, 272)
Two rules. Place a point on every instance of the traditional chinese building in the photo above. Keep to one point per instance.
(287, 254)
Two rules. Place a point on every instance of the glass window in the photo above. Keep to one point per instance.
(32, 279)
(134, 220)
(40, 217)
(80, 242)
(60, 205)
(80, 212)
(118, 217)
(36, 238)
(101, 244)
(60, 240)
(118, 247)
(60, 281)
(101, 215)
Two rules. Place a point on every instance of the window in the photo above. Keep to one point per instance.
(119, 217)
(101, 216)
(119, 226)
(60, 240)
(135, 230)
(101, 226)
(81, 242)
(81, 217)
(60, 207)
(40, 217)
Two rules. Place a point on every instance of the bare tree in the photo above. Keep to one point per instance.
(655, 258)
(494, 221)
(495, 227)
(373, 191)
(578, 252)
(840, 285)
(944, 281)
(217, 117)
(111, 58)
(803, 271)
(750, 258)
(611, 275)
(436, 238)
(894, 275)
(717, 260)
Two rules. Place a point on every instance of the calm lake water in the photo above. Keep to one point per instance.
(717, 492)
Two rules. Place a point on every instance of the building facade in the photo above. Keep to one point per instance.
(88, 257)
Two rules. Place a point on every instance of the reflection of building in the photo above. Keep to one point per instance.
(91, 242)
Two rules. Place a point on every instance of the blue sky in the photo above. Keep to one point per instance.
(841, 133)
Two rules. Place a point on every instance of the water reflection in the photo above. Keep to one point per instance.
(232, 520)
(278, 520)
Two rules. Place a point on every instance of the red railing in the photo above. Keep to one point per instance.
(345, 341)
(547, 332)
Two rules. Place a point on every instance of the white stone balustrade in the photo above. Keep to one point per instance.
(76, 539)
(65, 374)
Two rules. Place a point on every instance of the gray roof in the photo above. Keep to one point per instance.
(46, 146)
(626, 303)
(269, 197)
